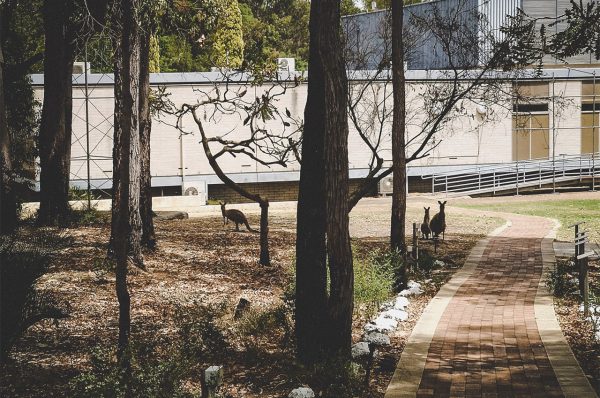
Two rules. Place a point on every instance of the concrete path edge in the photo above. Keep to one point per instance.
(571, 377)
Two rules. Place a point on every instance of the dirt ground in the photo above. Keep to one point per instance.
(200, 260)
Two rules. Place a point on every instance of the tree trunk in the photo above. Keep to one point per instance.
(339, 251)
(397, 235)
(55, 128)
(148, 235)
(265, 258)
(128, 169)
(311, 260)
(324, 324)
(8, 203)
(127, 143)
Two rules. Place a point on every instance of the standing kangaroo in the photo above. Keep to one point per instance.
(425, 229)
(438, 222)
(236, 216)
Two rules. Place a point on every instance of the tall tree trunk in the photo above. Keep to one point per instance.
(148, 235)
(55, 128)
(397, 235)
(323, 324)
(8, 203)
(128, 165)
(265, 258)
(311, 260)
(339, 251)
(127, 62)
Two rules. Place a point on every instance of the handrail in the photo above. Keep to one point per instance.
(520, 174)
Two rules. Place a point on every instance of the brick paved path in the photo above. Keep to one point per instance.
(487, 342)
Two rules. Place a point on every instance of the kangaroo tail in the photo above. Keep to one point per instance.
(248, 226)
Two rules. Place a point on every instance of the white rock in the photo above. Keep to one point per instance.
(360, 350)
(439, 263)
(381, 324)
(377, 339)
(414, 289)
(302, 392)
(398, 315)
(574, 281)
(388, 305)
(400, 303)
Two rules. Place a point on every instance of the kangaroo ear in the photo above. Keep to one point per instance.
(439, 202)
(425, 208)
(445, 201)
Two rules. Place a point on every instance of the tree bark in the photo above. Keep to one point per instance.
(324, 323)
(127, 143)
(339, 251)
(55, 128)
(397, 234)
(128, 165)
(311, 260)
(265, 258)
(148, 234)
(8, 202)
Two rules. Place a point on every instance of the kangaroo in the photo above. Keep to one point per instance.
(438, 222)
(236, 216)
(425, 229)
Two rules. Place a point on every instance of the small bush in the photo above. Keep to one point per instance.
(559, 280)
(374, 279)
(393, 262)
(24, 258)
(150, 376)
(426, 262)
(86, 217)
(199, 329)
(102, 267)
(336, 378)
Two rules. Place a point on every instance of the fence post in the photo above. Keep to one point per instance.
(446, 183)
(517, 178)
(415, 242)
(494, 183)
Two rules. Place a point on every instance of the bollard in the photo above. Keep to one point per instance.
(212, 377)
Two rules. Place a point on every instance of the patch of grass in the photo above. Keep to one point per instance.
(567, 212)
(374, 280)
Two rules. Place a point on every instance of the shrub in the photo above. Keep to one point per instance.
(426, 261)
(24, 258)
(394, 263)
(559, 280)
(374, 279)
(150, 376)
(199, 329)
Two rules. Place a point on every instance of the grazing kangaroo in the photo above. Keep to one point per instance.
(425, 229)
(236, 216)
(438, 222)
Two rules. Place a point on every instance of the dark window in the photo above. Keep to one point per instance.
(529, 108)
(590, 107)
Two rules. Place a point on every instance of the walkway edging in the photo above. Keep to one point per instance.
(571, 377)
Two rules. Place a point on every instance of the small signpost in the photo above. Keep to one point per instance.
(581, 262)
(415, 242)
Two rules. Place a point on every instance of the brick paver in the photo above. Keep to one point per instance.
(487, 342)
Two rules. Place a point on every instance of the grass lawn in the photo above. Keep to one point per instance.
(567, 212)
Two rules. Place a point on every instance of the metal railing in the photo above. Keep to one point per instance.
(517, 175)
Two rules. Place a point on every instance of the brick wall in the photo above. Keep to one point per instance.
(274, 191)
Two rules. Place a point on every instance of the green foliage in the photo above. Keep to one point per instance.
(150, 376)
(159, 370)
(24, 258)
(426, 261)
(337, 378)
(374, 279)
(227, 42)
(199, 329)
(559, 280)
(154, 54)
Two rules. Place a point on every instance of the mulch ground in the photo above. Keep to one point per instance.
(198, 260)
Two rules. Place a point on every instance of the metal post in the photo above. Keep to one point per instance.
(553, 138)
(446, 185)
(517, 178)
(594, 133)
(433, 184)
(415, 242)
(494, 183)
(87, 130)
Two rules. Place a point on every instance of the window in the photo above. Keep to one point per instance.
(531, 134)
(590, 117)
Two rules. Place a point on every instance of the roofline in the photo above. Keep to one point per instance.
(198, 78)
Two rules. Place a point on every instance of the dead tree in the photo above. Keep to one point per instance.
(264, 136)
